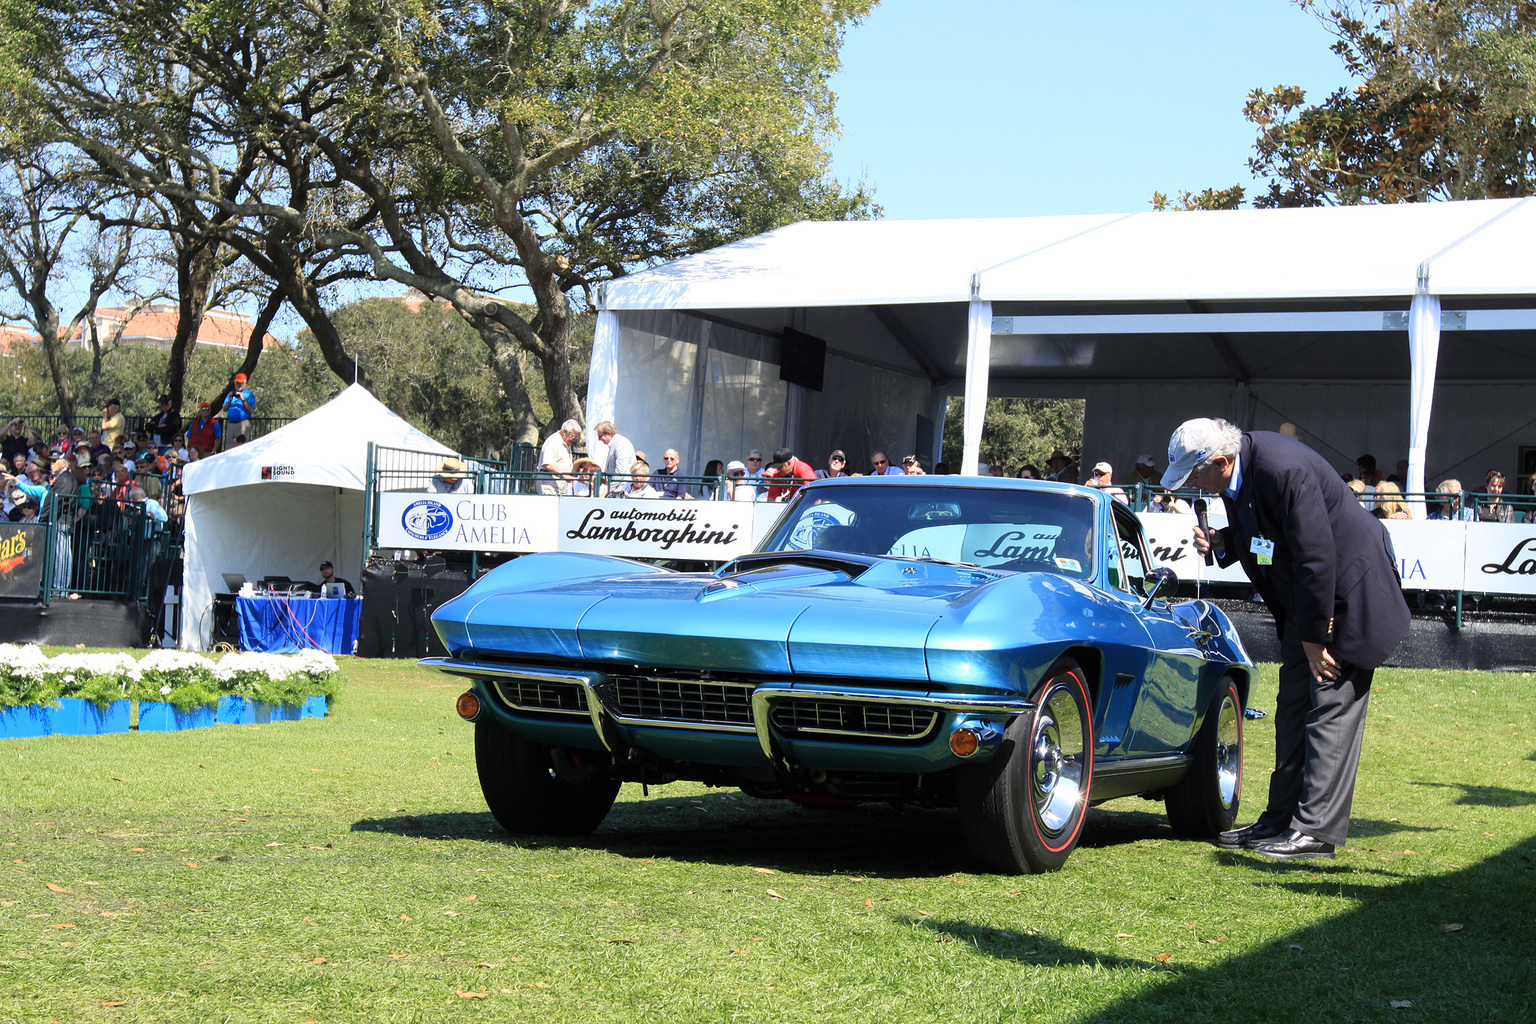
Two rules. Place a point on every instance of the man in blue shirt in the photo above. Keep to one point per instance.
(239, 407)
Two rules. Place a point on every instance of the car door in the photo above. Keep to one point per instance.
(1165, 704)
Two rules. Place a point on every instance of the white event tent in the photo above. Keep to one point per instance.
(281, 504)
(1354, 323)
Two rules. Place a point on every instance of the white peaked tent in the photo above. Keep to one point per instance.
(1354, 323)
(283, 503)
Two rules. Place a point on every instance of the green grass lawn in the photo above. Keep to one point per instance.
(345, 869)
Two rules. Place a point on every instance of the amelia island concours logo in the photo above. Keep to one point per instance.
(426, 519)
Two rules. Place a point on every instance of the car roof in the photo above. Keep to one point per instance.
(966, 482)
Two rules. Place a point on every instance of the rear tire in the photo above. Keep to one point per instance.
(1023, 811)
(538, 789)
(1204, 802)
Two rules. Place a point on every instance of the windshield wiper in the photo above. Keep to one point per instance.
(944, 561)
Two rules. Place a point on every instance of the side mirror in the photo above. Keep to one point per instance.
(1161, 584)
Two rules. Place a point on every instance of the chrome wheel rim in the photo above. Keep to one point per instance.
(1229, 749)
(1058, 750)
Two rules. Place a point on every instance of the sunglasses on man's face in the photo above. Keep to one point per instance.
(880, 462)
(753, 458)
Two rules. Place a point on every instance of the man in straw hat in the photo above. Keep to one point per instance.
(453, 478)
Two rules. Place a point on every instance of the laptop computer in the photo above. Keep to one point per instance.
(234, 581)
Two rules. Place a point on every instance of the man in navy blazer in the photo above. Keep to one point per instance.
(1326, 569)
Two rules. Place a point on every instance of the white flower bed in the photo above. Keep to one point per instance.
(27, 676)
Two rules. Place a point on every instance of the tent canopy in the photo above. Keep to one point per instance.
(281, 504)
(327, 447)
(1262, 316)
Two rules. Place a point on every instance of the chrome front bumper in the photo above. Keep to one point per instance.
(607, 717)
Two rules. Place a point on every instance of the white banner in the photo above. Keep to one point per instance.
(1501, 558)
(1171, 539)
(467, 522)
(657, 527)
(1430, 555)
(1491, 558)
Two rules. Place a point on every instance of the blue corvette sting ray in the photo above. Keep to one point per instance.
(1005, 647)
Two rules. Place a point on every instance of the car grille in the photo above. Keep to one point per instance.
(683, 700)
(539, 695)
(852, 718)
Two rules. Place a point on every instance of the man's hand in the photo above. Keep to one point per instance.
(1203, 542)
(1324, 668)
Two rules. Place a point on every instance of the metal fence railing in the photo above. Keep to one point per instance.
(95, 546)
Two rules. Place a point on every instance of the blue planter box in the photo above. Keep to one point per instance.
(76, 716)
(286, 712)
(314, 707)
(236, 711)
(158, 716)
(25, 720)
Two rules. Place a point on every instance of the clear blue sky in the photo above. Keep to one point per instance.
(998, 108)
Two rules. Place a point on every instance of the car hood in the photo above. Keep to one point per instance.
(803, 617)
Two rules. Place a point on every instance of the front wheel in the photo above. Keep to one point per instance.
(1204, 802)
(1023, 811)
(534, 788)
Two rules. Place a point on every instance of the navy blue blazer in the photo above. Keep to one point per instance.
(1334, 578)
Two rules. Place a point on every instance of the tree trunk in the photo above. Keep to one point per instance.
(554, 330)
(47, 319)
(304, 297)
(196, 265)
(504, 363)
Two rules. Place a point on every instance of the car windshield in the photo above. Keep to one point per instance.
(1002, 528)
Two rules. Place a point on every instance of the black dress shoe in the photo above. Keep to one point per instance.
(1240, 838)
(1293, 845)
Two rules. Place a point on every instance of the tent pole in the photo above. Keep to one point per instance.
(693, 462)
(978, 365)
(603, 377)
(370, 528)
(1423, 356)
(938, 410)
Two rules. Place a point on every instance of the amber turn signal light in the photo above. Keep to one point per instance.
(468, 706)
(973, 736)
(964, 742)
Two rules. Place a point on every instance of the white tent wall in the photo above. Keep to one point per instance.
(712, 391)
(863, 409)
(263, 530)
(1121, 421)
(655, 368)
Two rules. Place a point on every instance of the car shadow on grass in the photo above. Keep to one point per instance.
(871, 839)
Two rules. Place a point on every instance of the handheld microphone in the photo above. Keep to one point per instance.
(1204, 522)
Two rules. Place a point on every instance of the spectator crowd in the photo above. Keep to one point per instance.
(109, 491)
(617, 470)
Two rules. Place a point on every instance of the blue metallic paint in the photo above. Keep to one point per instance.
(899, 623)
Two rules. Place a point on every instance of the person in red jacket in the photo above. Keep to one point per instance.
(204, 431)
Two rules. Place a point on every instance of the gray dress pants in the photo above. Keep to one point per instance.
(1318, 729)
